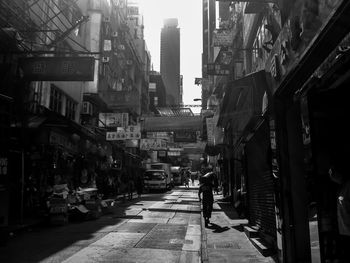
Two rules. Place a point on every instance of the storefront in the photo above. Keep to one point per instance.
(247, 134)
(5, 120)
(308, 75)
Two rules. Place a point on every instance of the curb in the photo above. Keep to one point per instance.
(204, 250)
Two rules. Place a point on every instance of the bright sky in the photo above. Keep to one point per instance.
(189, 15)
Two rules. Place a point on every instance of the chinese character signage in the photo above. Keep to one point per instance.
(223, 38)
(58, 68)
(210, 130)
(218, 69)
(128, 133)
(185, 136)
(152, 144)
(113, 119)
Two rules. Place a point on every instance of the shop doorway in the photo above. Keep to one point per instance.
(329, 149)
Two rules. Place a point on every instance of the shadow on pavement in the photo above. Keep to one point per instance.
(228, 209)
(56, 243)
(239, 227)
(217, 229)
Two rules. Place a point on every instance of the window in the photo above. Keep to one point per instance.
(56, 96)
(71, 107)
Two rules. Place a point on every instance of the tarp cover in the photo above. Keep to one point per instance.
(243, 100)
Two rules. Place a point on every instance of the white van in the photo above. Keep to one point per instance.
(156, 179)
(176, 173)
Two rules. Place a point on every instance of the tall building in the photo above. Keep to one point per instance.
(170, 60)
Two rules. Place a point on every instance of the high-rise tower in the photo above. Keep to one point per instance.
(170, 60)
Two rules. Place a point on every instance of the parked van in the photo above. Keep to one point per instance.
(165, 167)
(176, 173)
(156, 179)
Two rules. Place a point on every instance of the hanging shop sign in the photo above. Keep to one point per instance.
(218, 69)
(210, 130)
(176, 153)
(223, 37)
(113, 119)
(152, 144)
(57, 68)
(129, 133)
(185, 136)
(159, 135)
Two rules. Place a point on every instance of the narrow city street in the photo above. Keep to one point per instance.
(158, 227)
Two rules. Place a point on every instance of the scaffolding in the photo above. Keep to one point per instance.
(40, 27)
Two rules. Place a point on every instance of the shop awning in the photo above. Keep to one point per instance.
(243, 101)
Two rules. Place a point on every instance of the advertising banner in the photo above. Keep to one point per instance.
(152, 144)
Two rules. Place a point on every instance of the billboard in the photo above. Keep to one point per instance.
(58, 68)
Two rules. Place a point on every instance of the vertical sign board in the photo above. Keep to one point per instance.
(58, 68)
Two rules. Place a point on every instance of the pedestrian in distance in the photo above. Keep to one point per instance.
(130, 188)
(192, 177)
(205, 195)
(139, 185)
(187, 179)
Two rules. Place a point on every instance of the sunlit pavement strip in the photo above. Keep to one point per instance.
(167, 231)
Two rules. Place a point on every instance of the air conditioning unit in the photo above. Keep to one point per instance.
(121, 47)
(87, 108)
(106, 20)
(105, 59)
(115, 34)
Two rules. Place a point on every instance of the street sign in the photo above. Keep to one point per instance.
(58, 68)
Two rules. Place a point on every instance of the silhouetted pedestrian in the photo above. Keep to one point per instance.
(207, 199)
(139, 185)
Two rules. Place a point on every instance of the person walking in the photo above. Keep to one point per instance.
(216, 184)
(205, 195)
(187, 179)
(130, 188)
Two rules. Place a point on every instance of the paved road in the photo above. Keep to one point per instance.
(154, 228)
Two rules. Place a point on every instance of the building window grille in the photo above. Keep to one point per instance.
(71, 108)
(56, 97)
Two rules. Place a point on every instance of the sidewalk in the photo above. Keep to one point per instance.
(224, 239)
